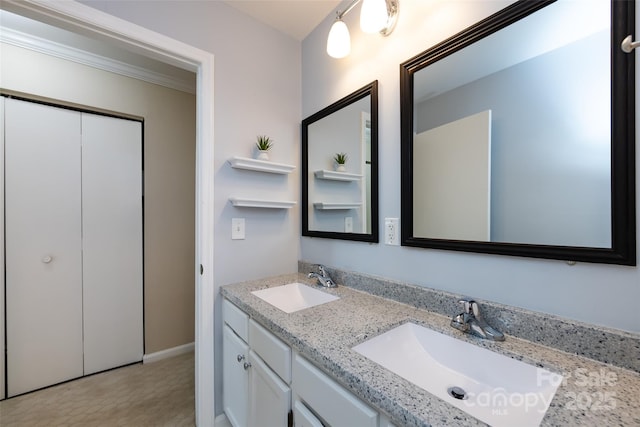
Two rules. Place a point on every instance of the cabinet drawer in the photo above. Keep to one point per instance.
(328, 399)
(275, 353)
(237, 319)
(302, 417)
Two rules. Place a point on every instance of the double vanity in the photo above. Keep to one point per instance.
(348, 354)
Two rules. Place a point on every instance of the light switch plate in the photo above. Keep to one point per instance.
(237, 228)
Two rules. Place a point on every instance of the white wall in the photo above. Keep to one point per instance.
(594, 293)
(257, 91)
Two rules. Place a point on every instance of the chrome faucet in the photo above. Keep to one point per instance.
(323, 278)
(471, 321)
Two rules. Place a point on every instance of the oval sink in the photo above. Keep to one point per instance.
(496, 389)
(294, 297)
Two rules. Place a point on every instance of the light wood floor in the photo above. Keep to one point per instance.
(155, 394)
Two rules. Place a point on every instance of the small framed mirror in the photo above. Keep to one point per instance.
(518, 135)
(340, 169)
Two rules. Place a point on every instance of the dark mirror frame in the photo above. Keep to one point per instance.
(623, 213)
(369, 90)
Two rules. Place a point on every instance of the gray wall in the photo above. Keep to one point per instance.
(550, 165)
(593, 293)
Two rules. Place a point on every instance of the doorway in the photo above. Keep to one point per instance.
(85, 20)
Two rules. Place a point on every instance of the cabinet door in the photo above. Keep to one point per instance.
(235, 378)
(111, 242)
(43, 245)
(269, 396)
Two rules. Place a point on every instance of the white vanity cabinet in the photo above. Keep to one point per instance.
(263, 383)
(256, 372)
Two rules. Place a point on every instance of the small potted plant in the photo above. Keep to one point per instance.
(263, 145)
(341, 160)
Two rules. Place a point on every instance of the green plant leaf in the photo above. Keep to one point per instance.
(341, 158)
(264, 142)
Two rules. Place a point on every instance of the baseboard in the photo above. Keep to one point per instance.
(170, 352)
(222, 421)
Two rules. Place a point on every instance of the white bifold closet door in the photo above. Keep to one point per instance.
(73, 244)
(111, 242)
(43, 245)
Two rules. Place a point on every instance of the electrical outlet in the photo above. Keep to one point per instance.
(237, 228)
(392, 231)
(348, 224)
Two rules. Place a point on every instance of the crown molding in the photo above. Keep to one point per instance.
(59, 50)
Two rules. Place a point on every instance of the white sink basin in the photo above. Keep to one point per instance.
(294, 297)
(499, 391)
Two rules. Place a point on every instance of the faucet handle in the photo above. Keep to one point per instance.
(321, 269)
(469, 305)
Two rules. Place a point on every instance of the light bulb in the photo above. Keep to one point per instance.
(373, 16)
(339, 41)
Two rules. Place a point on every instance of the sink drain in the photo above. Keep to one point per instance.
(457, 393)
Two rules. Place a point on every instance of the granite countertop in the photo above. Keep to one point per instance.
(593, 393)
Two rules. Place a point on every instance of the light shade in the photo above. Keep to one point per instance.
(373, 16)
(339, 40)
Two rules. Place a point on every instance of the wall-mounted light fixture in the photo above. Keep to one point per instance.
(376, 16)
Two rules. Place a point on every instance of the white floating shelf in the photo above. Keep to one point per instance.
(259, 203)
(337, 176)
(336, 206)
(260, 165)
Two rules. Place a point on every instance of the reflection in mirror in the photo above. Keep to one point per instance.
(514, 154)
(340, 200)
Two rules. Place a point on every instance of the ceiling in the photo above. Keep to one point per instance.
(297, 18)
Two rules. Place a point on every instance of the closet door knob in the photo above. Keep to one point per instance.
(47, 259)
(247, 365)
(240, 358)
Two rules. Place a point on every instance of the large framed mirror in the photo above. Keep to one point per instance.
(341, 201)
(518, 135)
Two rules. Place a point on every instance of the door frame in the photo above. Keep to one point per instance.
(85, 20)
